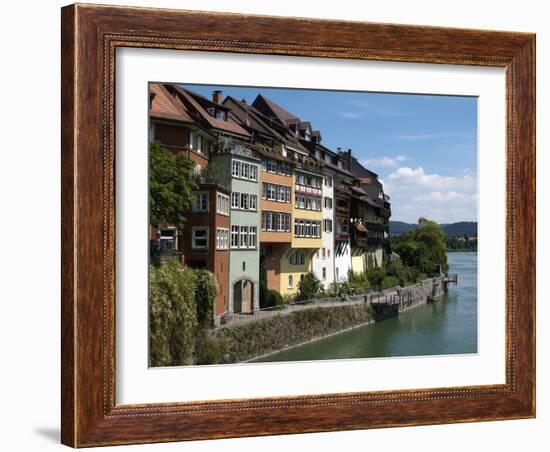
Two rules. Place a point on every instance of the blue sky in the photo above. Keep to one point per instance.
(424, 148)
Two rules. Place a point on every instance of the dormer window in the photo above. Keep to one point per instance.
(221, 115)
(217, 113)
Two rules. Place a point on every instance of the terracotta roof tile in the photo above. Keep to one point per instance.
(166, 106)
(230, 125)
(283, 115)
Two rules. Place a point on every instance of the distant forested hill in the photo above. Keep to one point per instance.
(400, 227)
(468, 228)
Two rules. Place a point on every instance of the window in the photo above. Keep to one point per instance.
(275, 221)
(195, 142)
(244, 201)
(244, 237)
(324, 253)
(281, 193)
(286, 222)
(234, 236)
(328, 203)
(290, 282)
(252, 235)
(271, 192)
(271, 166)
(254, 172)
(200, 238)
(283, 168)
(308, 203)
(201, 202)
(328, 225)
(297, 258)
(236, 169)
(307, 228)
(245, 170)
(328, 179)
(222, 206)
(253, 202)
(235, 200)
(328, 253)
(324, 273)
(222, 239)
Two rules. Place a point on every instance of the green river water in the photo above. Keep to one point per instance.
(448, 326)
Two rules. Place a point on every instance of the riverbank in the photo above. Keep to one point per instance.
(272, 332)
(447, 326)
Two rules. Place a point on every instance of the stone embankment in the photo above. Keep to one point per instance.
(266, 332)
(393, 301)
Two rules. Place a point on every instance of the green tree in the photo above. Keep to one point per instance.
(171, 185)
(424, 248)
(308, 287)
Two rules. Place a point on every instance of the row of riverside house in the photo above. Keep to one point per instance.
(271, 192)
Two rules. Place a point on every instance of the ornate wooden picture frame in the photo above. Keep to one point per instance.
(90, 37)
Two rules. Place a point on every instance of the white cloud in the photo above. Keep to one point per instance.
(375, 109)
(349, 115)
(385, 161)
(409, 177)
(445, 199)
(432, 136)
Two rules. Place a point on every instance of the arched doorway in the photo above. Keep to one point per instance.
(243, 296)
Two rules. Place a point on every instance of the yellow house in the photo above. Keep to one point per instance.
(307, 226)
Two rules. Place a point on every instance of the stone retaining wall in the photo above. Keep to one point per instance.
(398, 300)
(243, 342)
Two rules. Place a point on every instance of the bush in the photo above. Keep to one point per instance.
(389, 281)
(209, 350)
(172, 314)
(206, 289)
(358, 282)
(376, 275)
(308, 287)
(271, 299)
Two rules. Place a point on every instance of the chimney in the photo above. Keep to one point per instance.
(349, 160)
(243, 100)
(217, 96)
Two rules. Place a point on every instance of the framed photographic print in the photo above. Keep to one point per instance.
(281, 225)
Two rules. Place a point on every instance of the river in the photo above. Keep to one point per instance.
(448, 326)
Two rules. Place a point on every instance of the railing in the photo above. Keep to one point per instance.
(451, 279)
(376, 294)
(159, 255)
(266, 313)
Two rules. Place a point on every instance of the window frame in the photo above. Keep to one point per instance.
(198, 199)
(195, 229)
(220, 199)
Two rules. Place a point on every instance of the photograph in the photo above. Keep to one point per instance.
(294, 225)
